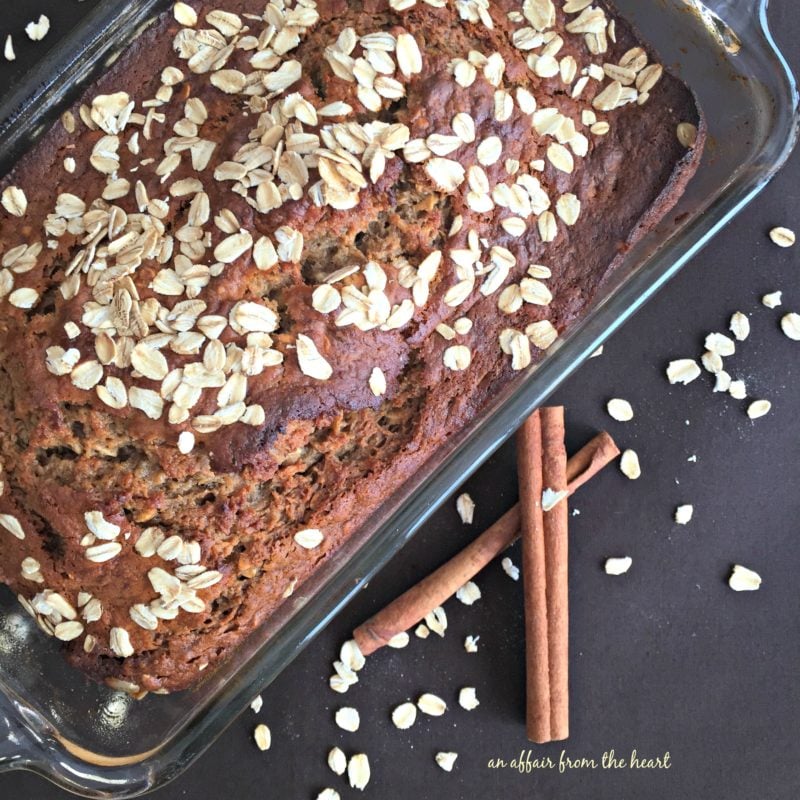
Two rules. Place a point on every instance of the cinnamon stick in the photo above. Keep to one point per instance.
(589, 460)
(412, 606)
(537, 667)
(556, 521)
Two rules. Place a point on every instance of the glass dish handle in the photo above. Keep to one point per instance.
(749, 7)
(16, 745)
(731, 10)
(726, 17)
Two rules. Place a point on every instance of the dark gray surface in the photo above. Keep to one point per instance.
(666, 658)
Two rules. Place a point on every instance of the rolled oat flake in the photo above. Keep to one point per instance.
(743, 579)
(263, 737)
(620, 410)
(790, 325)
(758, 408)
(358, 772)
(629, 465)
(783, 237)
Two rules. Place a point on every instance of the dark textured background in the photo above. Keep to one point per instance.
(666, 658)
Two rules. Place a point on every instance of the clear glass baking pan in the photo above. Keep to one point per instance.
(100, 743)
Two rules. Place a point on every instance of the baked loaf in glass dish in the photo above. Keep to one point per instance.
(268, 264)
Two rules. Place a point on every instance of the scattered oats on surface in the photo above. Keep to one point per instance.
(263, 737)
(683, 514)
(489, 151)
(560, 157)
(446, 760)
(337, 761)
(436, 620)
(422, 631)
(100, 553)
(551, 498)
(469, 593)
(404, 716)
(783, 237)
(740, 326)
(311, 361)
(257, 704)
(67, 631)
(471, 643)
(468, 699)
(432, 705)
(12, 525)
(772, 300)
(743, 579)
(31, 569)
(457, 358)
(149, 362)
(629, 465)
(309, 538)
(720, 344)
(289, 590)
(684, 371)
(618, 566)
(377, 382)
(343, 678)
(515, 226)
(737, 390)
(351, 655)
(329, 794)
(348, 719)
(38, 30)
(8, 49)
(790, 325)
(399, 641)
(758, 408)
(87, 375)
(465, 506)
(14, 201)
(722, 382)
(620, 410)
(609, 98)
(185, 15)
(462, 326)
(712, 362)
(326, 298)
(409, 58)
(186, 441)
(463, 127)
(542, 334)
(120, 643)
(445, 173)
(358, 771)
(687, 134)
(510, 568)
(100, 526)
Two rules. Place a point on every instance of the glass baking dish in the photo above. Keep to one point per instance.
(101, 743)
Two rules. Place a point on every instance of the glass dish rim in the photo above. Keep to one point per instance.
(31, 745)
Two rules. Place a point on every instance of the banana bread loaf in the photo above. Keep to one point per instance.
(268, 264)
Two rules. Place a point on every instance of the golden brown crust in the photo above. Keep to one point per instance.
(312, 453)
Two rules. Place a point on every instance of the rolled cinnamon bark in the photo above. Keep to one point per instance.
(412, 606)
(556, 522)
(537, 667)
(590, 459)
